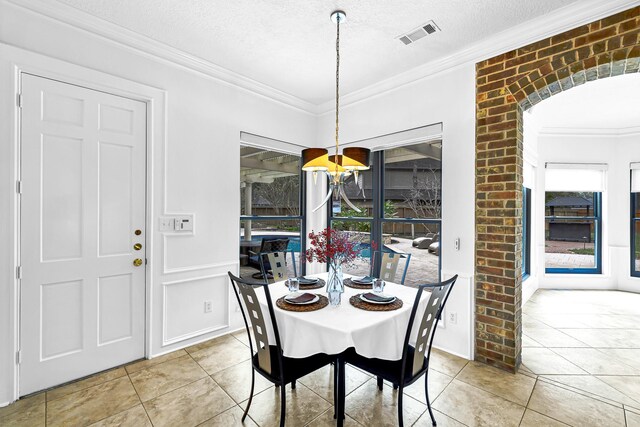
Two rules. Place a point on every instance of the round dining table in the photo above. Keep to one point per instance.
(334, 329)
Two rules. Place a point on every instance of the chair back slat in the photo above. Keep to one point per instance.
(427, 325)
(385, 265)
(277, 262)
(258, 325)
(389, 266)
(274, 245)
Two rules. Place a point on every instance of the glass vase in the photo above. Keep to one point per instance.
(335, 286)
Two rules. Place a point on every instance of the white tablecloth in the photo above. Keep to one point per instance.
(332, 330)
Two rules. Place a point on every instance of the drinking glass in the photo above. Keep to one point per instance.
(378, 286)
(293, 284)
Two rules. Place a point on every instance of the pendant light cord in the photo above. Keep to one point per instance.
(337, 84)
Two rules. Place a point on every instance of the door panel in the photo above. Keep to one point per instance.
(61, 232)
(115, 201)
(115, 309)
(83, 179)
(62, 313)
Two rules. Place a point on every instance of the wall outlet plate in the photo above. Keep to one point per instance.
(208, 306)
(453, 318)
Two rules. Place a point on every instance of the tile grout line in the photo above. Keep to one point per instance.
(583, 393)
(490, 392)
(230, 398)
(589, 374)
(93, 386)
(139, 398)
(578, 390)
(528, 401)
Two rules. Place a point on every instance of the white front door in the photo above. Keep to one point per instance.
(82, 225)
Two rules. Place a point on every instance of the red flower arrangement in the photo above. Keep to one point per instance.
(332, 246)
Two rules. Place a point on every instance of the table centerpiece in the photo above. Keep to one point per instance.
(336, 249)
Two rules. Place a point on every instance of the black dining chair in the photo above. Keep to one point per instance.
(267, 244)
(273, 265)
(415, 359)
(385, 265)
(269, 360)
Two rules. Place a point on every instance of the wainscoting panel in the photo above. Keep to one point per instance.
(184, 303)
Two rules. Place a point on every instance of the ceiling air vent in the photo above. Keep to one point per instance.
(418, 33)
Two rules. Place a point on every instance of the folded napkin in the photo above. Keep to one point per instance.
(377, 298)
(307, 280)
(306, 297)
(365, 279)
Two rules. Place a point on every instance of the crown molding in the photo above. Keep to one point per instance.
(571, 16)
(139, 43)
(558, 21)
(593, 132)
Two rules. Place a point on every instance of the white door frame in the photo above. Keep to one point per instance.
(14, 62)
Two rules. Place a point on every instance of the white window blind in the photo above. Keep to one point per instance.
(575, 177)
(635, 177)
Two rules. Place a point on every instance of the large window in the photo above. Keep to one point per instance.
(635, 234)
(271, 190)
(635, 220)
(400, 200)
(573, 217)
(526, 232)
(573, 223)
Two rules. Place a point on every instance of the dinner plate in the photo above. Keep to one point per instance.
(295, 295)
(362, 280)
(363, 298)
(308, 280)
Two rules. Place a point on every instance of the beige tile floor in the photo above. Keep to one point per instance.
(585, 343)
(208, 384)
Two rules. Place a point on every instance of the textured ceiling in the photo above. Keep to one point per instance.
(289, 44)
(602, 104)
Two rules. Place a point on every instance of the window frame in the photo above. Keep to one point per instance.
(597, 219)
(526, 232)
(302, 218)
(377, 220)
(634, 220)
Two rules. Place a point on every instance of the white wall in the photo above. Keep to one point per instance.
(447, 98)
(617, 151)
(199, 173)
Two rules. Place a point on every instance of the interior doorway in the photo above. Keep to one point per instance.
(82, 231)
(580, 330)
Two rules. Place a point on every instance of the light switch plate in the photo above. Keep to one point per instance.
(167, 224)
(184, 223)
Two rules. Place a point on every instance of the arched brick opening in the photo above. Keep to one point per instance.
(507, 85)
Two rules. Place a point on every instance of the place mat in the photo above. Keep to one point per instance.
(358, 303)
(319, 284)
(322, 303)
(349, 283)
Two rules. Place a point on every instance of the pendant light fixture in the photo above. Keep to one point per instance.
(338, 167)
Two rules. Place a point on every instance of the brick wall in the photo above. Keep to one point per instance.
(506, 85)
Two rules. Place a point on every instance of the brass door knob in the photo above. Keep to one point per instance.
(137, 262)
(137, 246)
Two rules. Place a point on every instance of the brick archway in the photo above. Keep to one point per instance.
(507, 85)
